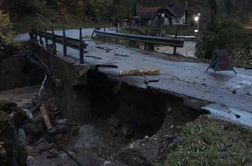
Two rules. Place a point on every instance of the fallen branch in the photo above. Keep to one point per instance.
(39, 141)
(139, 72)
(52, 145)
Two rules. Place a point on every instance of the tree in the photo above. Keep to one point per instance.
(5, 35)
(17, 8)
(5, 27)
(225, 33)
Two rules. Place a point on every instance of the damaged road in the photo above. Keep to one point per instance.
(178, 77)
(132, 120)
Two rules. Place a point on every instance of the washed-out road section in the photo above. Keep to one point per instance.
(224, 91)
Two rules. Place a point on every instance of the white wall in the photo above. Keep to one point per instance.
(179, 21)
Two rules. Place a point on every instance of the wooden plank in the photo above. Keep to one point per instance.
(45, 116)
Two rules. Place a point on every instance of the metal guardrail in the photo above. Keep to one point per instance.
(79, 43)
(65, 41)
(149, 40)
(145, 39)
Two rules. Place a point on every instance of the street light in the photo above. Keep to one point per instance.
(197, 19)
(162, 19)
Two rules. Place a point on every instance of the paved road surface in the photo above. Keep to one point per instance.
(177, 77)
(186, 78)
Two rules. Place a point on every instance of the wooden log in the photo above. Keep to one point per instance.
(45, 116)
(139, 72)
(52, 145)
(39, 141)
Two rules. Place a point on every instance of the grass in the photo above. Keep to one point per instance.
(211, 142)
(124, 31)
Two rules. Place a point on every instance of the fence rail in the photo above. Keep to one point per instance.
(149, 40)
(65, 41)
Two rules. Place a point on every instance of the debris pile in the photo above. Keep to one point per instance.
(25, 133)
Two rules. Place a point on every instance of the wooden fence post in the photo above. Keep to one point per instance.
(46, 37)
(175, 48)
(40, 36)
(64, 43)
(130, 43)
(54, 41)
(145, 44)
(36, 34)
(81, 48)
(117, 32)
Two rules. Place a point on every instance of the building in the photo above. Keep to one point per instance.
(148, 15)
(173, 15)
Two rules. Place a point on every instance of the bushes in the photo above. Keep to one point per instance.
(5, 32)
(18, 8)
(7, 48)
(5, 26)
(226, 33)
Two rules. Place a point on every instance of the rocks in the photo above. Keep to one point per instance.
(30, 150)
(169, 109)
(31, 129)
(30, 161)
(74, 130)
(114, 121)
(65, 156)
(61, 121)
(21, 135)
(105, 150)
(127, 129)
(174, 142)
(83, 71)
(58, 136)
(107, 163)
(59, 127)
(89, 137)
(53, 131)
(58, 83)
(2, 151)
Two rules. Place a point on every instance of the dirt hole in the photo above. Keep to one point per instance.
(129, 115)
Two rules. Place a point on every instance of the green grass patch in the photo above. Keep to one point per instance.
(124, 31)
(211, 142)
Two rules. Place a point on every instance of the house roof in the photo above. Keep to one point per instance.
(148, 12)
(169, 11)
(172, 11)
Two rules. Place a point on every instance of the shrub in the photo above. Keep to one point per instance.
(7, 48)
(5, 26)
(226, 33)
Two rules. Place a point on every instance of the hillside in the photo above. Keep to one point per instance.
(88, 13)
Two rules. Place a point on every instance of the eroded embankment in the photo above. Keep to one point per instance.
(137, 126)
(17, 71)
(106, 122)
(127, 126)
